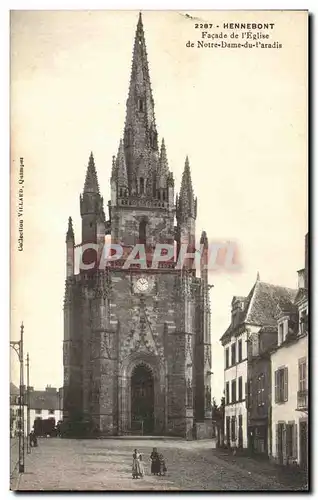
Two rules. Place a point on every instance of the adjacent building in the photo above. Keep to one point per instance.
(250, 334)
(289, 374)
(15, 411)
(45, 404)
(235, 376)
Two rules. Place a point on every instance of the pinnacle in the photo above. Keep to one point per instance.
(91, 182)
(70, 231)
(121, 169)
(187, 202)
(163, 159)
(204, 238)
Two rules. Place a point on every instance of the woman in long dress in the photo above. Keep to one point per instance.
(137, 465)
(155, 462)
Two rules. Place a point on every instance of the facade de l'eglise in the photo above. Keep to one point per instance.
(137, 348)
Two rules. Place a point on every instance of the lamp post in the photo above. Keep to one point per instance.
(18, 347)
(28, 402)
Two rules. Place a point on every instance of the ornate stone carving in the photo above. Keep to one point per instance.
(189, 394)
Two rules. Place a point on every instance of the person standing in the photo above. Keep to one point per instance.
(155, 462)
(137, 470)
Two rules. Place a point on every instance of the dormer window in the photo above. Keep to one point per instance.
(303, 321)
(280, 333)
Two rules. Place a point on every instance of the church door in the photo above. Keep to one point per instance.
(142, 400)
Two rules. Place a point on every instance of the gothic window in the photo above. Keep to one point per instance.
(142, 185)
(140, 105)
(142, 231)
(120, 192)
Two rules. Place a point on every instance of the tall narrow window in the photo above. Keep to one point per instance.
(239, 345)
(140, 105)
(233, 357)
(234, 391)
(142, 185)
(142, 232)
(227, 393)
(227, 358)
(240, 388)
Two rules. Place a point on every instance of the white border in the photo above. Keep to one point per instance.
(183, 5)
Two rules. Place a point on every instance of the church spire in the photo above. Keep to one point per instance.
(140, 135)
(187, 204)
(91, 182)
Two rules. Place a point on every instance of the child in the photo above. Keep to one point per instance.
(163, 468)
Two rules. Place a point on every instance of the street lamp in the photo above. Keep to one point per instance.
(18, 348)
(28, 402)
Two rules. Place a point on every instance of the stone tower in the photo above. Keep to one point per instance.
(137, 350)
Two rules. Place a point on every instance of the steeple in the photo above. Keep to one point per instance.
(187, 204)
(70, 232)
(91, 182)
(140, 135)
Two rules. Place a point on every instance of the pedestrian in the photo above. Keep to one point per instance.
(163, 468)
(155, 462)
(137, 466)
(33, 439)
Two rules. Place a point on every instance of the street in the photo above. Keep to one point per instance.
(65, 464)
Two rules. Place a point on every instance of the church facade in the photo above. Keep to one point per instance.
(137, 348)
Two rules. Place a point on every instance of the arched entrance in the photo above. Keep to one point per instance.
(142, 399)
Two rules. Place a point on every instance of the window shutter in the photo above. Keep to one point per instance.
(286, 384)
(295, 443)
(276, 386)
(277, 447)
(284, 442)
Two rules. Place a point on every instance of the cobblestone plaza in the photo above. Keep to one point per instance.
(105, 464)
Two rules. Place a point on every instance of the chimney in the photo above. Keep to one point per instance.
(301, 278)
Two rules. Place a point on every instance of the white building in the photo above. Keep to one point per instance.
(45, 404)
(249, 315)
(15, 412)
(289, 365)
(235, 373)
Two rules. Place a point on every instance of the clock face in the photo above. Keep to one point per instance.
(142, 284)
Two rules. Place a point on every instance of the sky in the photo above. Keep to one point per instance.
(240, 116)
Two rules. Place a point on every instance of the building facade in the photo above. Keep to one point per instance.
(45, 404)
(245, 341)
(289, 369)
(258, 401)
(235, 377)
(137, 349)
